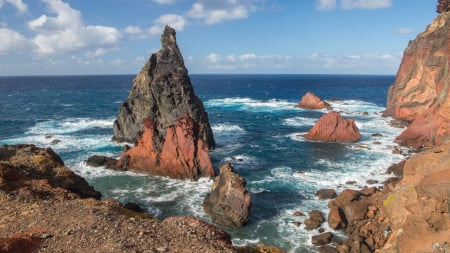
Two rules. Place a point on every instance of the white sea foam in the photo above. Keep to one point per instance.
(299, 121)
(251, 104)
(70, 125)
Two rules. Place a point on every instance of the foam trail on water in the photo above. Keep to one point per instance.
(249, 104)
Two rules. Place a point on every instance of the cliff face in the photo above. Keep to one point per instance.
(165, 119)
(420, 93)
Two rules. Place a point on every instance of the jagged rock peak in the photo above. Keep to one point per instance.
(165, 120)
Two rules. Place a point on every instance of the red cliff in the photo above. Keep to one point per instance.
(333, 127)
(420, 94)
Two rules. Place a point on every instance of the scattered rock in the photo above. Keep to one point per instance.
(228, 203)
(55, 141)
(376, 135)
(376, 143)
(367, 191)
(134, 207)
(298, 213)
(327, 249)
(371, 181)
(396, 151)
(332, 127)
(108, 162)
(347, 196)
(326, 194)
(321, 239)
(315, 219)
(311, 101)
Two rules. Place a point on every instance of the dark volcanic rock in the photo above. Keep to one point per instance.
(165, 119)
(334, 128)
(98, 161)
(229, 202)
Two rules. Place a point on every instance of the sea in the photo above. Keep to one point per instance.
(256, 127)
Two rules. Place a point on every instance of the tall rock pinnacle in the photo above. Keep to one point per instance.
(165, 119)
(420, 93)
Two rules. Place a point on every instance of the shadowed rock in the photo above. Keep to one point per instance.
(229, 202)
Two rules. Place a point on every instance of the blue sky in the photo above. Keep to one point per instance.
(60, 37)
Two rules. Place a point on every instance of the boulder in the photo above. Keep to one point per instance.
(347, 196)
(336, 218)
(99, 161)
(165, 119)
(334, 128)
(228, 203)
(311, 101)
(420, 93)
(315, 220)
(321, 239)
(326, 194)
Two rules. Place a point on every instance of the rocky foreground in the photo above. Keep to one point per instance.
(45, 207)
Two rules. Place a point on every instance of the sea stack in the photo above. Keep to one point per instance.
(420, 94)
(311, 101)
(165, 120)
(333, 127)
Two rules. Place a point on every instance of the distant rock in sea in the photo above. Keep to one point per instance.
(165, 119)
(228, 203)
(420, 94)
(334, 128)
(311, 101)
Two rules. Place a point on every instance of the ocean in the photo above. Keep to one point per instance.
(256, 128)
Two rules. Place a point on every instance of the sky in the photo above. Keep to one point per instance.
(86, 37)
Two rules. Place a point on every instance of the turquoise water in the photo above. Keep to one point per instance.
(255, 126)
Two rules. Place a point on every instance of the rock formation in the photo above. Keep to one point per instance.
(29, 167)
(311, 101)
(228, 203)
(165, 119)
(420, 94)
(332, 127)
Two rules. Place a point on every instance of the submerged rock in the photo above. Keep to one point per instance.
(311, 101)
(420, 93)
(334, 128)
(165, 119)
(228, 203)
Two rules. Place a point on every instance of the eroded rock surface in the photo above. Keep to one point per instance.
(334, 128)
(311, 101)
(420, 94)
(229, 201)
(165, 119)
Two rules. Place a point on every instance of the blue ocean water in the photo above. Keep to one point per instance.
(256, 128)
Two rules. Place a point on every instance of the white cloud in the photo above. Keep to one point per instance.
(67, 32)
(213, 58)
(11, 40)
(212, 12)
(18, 4)
(133, 29)
(177, 22)
(365, 4)
(325, 5)
(164, 1)
(248, 61)
(403, 30)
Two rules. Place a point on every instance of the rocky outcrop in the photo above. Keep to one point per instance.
(334, 128)
(228, 203)
(165, 119)
(311, 101)
(420, 94)
(29, 168)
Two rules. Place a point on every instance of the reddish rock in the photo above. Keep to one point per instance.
(347, 196)
(336, 218)
(183, 155)
(355, 210)
(326, 194)
(229, 201)
(321, 239)
(311, 101)
(332, 127)
(420, 93)
(314, 221)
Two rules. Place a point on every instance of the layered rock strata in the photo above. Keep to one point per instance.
(333, 127)
(420, 94)
(311, 101)
(228, 203)
(165, 119)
